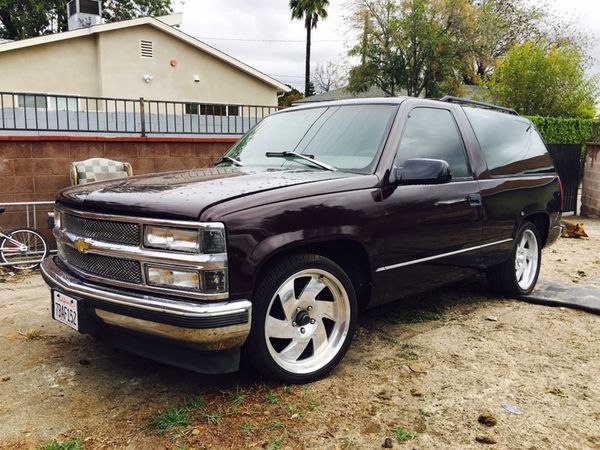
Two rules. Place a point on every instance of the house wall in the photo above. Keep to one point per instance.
(109, 64)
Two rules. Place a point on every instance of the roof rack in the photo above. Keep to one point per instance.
(464, 101)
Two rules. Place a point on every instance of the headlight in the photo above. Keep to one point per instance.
(185, 240)
(172, 278)
(176, 239)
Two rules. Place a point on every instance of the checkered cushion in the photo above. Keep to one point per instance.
(98, 169)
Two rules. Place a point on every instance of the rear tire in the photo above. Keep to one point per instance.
(303, 319)
(519, 273)
(35, 250)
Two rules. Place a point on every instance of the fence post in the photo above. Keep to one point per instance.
(143, 116)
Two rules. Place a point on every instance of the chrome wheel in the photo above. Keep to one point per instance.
(307, 322)
(526, 260)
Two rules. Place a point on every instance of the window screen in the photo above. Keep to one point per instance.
(510, 144)
(432, 133)
(89, 7)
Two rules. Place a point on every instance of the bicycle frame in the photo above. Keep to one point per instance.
(20, 247)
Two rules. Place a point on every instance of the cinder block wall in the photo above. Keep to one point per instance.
(36, 168)
(590, 195)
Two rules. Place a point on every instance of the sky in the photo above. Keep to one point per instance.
(261, 34)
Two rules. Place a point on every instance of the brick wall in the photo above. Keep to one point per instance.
(36, 168)
(590, 195)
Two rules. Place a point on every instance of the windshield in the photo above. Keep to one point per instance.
(346, 137)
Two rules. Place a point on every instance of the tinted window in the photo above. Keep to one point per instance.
(347, 137)
(432, 133)
(509, 143)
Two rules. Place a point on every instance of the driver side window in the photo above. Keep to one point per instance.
(432, 133)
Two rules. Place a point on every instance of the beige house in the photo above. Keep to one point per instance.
(146, 57)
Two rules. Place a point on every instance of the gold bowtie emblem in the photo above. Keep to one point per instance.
(81, 245)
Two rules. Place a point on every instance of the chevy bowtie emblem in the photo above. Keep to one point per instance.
(81, 245)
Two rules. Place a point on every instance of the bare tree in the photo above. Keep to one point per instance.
(330, 75)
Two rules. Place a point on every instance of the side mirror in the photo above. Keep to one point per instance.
(423, 171)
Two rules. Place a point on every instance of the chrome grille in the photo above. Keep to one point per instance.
(103, 266)
(104, 230)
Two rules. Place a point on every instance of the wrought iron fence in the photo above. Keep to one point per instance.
(30, 112)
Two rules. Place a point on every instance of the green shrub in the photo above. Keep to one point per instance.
(557, 130)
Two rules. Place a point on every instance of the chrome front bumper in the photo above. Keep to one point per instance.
(207, 326)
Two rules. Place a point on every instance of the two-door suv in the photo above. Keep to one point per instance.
(315, 214)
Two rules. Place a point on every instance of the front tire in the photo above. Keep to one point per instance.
(303, 320)
(518, 274)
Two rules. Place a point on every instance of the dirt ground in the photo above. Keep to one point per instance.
(419, 375)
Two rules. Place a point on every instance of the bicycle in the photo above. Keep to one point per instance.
(22, 249)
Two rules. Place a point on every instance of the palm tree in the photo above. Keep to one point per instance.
(310, 11)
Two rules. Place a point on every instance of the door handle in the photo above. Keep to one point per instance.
(474, 199)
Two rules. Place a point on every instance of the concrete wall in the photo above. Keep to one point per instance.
(35, 169)
(590, 195)
(109, 64)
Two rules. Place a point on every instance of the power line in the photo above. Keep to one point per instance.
(285, 41)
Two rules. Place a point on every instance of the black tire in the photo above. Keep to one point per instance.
(302, 316)
(37, 249)
(502, 278)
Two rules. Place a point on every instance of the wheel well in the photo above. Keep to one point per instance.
(348, 254)
(542, 223)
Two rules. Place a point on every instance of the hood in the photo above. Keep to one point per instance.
(183, 195)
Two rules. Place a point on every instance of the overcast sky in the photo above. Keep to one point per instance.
(261, 34)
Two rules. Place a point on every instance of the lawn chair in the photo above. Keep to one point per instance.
(98, 169)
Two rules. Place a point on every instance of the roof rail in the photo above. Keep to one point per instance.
(464, 101)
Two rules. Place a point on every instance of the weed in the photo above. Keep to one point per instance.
(247, 428)
(273, 398)
(213, 419)
(407, 352)
(32, 335)
(68, 444)
(275, 442)
(194, 403)
(238, 397)
(388, 338)
(402, 435)
(230, 411)
(313, 404)
(173, 417)
(275, 425)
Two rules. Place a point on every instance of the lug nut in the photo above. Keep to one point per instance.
(312, 321)
(309, 308)
(302, 330)
(297, 309)
(294, 324)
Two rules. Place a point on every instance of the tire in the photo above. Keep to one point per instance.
(519, 273)
(36, 249)
(303, 319)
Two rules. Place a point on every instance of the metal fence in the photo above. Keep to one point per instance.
(30, 112)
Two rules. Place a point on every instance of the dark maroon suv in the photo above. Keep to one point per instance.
(315, 214)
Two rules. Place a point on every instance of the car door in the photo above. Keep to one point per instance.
(432, 232)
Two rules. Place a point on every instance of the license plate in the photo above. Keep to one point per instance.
(64, 309)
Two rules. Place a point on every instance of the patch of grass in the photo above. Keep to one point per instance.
(230, 411)
(275, 442)
(173, 417)
(67, 444)
(247, 428)
(32, 334)
(275, 425)
(273, 398)
(402, 435)
(238, 397)
(194, 403)
(213, 418)
(413, 316)
(407, 352)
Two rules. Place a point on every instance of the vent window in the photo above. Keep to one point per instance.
(146, 49)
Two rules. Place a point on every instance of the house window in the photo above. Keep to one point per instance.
(57, 103)
(146, 49)
(31, 101)
(233, 110)
(211, 110)
(191, 108)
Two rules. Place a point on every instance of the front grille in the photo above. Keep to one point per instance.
(103, 230)
(103, 266)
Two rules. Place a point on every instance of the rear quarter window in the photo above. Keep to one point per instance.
(510, 144)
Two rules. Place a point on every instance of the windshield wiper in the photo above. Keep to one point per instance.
(229, 159)
(320, 164)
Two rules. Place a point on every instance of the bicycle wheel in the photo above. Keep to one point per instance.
(23, 249)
